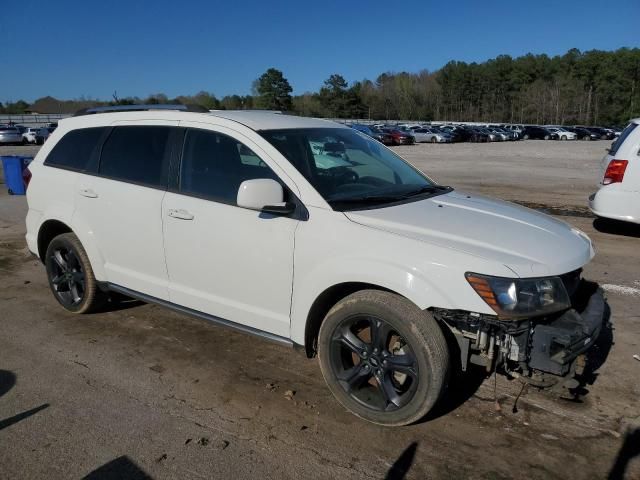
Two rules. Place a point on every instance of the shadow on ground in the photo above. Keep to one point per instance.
(118, 468)
(615, 227)
(630, 449)
(401, 466)
(118, 301)
(7, 381)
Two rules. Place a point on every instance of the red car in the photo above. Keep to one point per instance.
(399, 137)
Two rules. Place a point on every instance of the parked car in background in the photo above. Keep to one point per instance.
(399, 137)
(10, 136)
(43, 134)
(511, 135)
(618, 196)
(563, 133)
(431, 135)
(476, 134)
(503, 134)
(517, 129)
(382, 136)
(379, 135)
(602, 133)
(532, 132)
(29, 135)
(583, 133)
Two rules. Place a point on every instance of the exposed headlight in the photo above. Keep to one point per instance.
(520, 297)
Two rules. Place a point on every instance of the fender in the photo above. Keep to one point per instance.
(417, 285)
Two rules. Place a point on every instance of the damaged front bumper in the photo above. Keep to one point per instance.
(540, 350)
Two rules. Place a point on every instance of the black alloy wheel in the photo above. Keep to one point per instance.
(374, 365)
(383, 358)
(67, 276)
(70, 275)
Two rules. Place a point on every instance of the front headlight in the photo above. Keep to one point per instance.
(520, 297)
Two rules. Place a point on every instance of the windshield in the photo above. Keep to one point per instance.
(350, 170)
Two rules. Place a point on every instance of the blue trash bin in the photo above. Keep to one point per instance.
(12, 167)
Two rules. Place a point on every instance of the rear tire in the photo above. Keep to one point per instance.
(383, 358)
(70, 275)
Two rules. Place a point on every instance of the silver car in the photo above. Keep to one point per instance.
(10, 135)
(432, 135)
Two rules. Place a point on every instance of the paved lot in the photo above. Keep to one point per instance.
(142, 392)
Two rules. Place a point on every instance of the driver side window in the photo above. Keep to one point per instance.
(214, 165)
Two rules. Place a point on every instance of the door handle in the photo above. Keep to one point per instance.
(180, 214)
(87, 192)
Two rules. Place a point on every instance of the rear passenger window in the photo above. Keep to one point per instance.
(214, 165)
(74, 150)
(137, 154)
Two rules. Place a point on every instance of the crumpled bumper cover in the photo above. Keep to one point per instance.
(555, 345)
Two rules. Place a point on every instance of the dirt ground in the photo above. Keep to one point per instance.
(142, 392)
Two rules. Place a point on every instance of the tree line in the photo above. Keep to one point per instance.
(590, 88)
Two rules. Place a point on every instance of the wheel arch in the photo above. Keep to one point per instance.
(324, 302)
(52, 227)
(49, 230)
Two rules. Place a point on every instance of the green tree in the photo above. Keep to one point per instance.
(273, 90)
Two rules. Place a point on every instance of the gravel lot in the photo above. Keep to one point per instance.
(142, 392)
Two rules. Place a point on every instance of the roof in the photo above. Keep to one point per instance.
(263, 120)
(253, 119)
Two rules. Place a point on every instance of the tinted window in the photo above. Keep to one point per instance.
(623, 136)
(214, 165)
(137, 154)
(74, 150)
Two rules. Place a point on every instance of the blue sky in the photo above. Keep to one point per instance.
(70, 48)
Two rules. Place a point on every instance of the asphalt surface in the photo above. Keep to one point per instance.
(141, 392)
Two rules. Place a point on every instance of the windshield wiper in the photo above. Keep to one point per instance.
(427, 189)
(368, 199)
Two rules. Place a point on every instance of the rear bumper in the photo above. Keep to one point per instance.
(612, 202)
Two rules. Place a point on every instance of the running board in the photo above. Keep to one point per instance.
(203, 316)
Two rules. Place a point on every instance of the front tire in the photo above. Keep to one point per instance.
(383, 358)
(70, 275)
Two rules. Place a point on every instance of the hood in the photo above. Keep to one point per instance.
(529, 243)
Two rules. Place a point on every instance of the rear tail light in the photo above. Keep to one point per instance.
(615, 172)
(26, 177)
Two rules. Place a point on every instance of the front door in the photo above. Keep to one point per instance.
(223, 260)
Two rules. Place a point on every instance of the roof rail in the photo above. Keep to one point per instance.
(140, 108)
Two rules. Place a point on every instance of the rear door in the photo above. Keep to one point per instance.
(120, 205)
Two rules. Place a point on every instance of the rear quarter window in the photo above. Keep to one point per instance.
(623, 136)
(74, 150)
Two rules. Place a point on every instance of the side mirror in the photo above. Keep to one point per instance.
(264, 195)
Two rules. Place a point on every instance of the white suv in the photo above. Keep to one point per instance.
(346, 251)
(618, 197)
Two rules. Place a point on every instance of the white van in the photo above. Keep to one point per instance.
(618, 197)
(311, 234)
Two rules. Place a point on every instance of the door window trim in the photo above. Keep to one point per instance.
(168, 150)
(300, 212)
